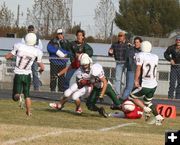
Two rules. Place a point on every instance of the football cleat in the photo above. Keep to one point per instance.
(56, 106)
(147, 116)
(28, 113)
(102, 112)
(159, 119)
(79, 110)
(21, 101)
(147, 113)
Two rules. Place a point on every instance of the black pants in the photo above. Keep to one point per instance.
(54, 69)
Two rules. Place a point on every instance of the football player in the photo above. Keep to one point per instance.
(129, 111)
(80, 88)
(25, 54)
(147, 62)
(101, 87)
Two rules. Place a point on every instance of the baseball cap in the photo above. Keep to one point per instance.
(59, 31)
(178, 37)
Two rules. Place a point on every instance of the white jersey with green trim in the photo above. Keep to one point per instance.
(149, 63)
(80, 74)
(97, 70)
(25, 56)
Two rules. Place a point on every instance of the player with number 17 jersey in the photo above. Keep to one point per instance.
(149, 63)
(25, 56)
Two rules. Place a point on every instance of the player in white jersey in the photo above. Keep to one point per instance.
(25, 54)
(146, 70)
(82, 87)
(36, 82)
(101, 87)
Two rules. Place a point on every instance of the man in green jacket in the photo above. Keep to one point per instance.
(77, 47)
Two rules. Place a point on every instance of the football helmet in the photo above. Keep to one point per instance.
(146, 46)
(85, 62)
(30, 39)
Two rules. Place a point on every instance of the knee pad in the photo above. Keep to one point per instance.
(71, 90)
(16, 97)
(67, 93)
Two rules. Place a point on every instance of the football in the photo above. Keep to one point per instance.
(128, 106)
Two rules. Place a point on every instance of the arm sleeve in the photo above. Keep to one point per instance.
(167, 54)
(60, 53)
(139, 60)
(89, 50)
(51, 49)
(15, 49)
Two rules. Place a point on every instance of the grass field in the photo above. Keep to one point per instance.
(50, 127)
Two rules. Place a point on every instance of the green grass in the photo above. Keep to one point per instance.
(73, 129)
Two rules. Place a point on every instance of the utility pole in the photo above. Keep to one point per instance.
(17, 21)
(111, 33)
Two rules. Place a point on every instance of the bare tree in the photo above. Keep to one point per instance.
(48, 15)
(104, 15)
(6, 16)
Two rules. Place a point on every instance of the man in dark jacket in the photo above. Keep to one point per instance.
(172, 54)
(118, 50)
(131, 66)
(58, 49)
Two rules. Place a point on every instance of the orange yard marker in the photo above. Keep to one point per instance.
(167, 111)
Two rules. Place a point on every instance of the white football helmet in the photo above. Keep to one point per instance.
(85, 59)
(85, 62)
(30, 39)
(146, 46)
(128, 106)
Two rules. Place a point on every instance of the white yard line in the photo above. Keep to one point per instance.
(118, 126)
(57, 133)
(31, 138)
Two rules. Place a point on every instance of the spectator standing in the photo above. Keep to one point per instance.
(77, 47)
(25, 56)
(35, 73)
(130, 64)
(58, 49)
(172, 54)
(118, 50)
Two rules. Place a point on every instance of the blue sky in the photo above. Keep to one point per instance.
(83, 11)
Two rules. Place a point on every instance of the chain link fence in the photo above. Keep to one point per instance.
(49, 82)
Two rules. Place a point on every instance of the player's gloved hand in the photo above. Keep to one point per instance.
(101, 98)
